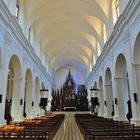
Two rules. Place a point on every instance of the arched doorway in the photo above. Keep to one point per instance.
(27, 108)
(101, 97)
(136, 57)
(122, 84)
(13, 89)
(37, 96)
(109, 94)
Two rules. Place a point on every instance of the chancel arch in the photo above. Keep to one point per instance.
(12, 101)
(122, 84)
(108, 94)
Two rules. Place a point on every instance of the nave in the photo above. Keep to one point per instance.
(69, 129)
(99, 41)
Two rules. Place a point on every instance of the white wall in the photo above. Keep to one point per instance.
(61, 73)
(122, 41)
(14, 44)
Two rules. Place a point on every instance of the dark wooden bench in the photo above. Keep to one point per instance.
(38, 129)
(98, 128)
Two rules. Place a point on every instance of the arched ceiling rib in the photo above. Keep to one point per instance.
(68, 30)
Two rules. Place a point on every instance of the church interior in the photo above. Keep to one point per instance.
(69, 69)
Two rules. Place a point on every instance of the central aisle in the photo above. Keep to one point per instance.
(69, 129)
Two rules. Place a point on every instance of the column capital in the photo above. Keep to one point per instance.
(29, 84)
(17, 79)
(100, 89)
(107, 85)
(136, 66)
(120, 78)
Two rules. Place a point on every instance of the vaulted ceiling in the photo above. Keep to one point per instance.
(68, 31)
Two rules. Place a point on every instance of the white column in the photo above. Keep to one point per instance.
(3, 88)
(101, 102)
(37, 101)
(109, 99)
(49, 96)
(33, 108)
(122, 94)
(28, 108)
(116, 109)
(15, 111)
(105, 99)
(136, 85)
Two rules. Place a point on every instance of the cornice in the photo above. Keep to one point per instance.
(16, 30)
(119, 27)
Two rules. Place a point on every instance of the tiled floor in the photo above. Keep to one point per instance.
(69, 129)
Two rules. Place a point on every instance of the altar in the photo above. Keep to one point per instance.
(70, 108)
(67, 98)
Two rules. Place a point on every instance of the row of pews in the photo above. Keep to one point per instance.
(98, 128)
(43, 128)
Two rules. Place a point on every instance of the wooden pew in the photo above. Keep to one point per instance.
(36, 129)
(93, 127)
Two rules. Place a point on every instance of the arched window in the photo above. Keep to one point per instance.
(90, 67)
(116, 11)
(17, 9)
(94, 60)
(29, 36)
(104, 33)
(98, 48)
(117, 8)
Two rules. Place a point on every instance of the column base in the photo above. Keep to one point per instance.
(122, 119)
(134, 121)
(48, 108)
(101, 115)
(116, 118)
(105, 116)
(19, 119)
(2, 122)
